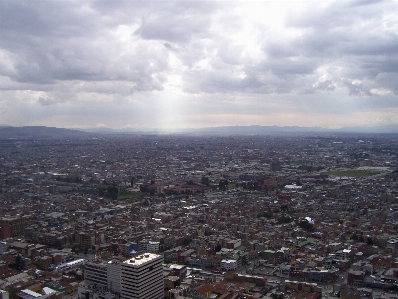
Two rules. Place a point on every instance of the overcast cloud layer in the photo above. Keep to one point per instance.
(169, 65)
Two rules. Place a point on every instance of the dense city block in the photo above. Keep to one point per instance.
(220, 217)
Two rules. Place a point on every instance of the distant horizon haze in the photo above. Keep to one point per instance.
(42, 131)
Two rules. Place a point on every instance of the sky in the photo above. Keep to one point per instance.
(170, 65)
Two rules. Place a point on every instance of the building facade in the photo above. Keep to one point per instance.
(142, 277)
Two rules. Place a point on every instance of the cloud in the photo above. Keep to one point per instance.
(46, 101)
(66, 45)
(356, 88)
(176, 23)
(380, 92)
(388, 81)
(327, 85)
(129, 58)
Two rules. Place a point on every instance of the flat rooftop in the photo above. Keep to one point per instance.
(142, 259)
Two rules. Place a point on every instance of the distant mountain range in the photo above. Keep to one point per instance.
(392, 129)
(7, 132)
(244, 130)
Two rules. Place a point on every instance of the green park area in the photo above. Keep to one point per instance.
(351, 172)
(117, 193)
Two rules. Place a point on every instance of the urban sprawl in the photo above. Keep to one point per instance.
(211, 217)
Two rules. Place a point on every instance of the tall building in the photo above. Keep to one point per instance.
(136, 278)
(113, 273)
(4, 294)
(96, 273)
(142, 277)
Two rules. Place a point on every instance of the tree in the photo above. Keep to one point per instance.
(361, 239)
(113, 192)
(284, 208)
(354, 237)
(76, 248)
(222, 185)
(284, 219)
(265, 214)
(19, 263)
(205, 181)
(369, 241)
(186, 241)
(305, 224)
(144, 188)
(255, 185)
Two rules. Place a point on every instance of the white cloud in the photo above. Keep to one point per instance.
(152, 63)
(380, 92)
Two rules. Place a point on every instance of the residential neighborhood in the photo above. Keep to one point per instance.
(273, 216)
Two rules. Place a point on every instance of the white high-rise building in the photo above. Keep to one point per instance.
(96, 273)
(142, 277)
(4, 294)
(113, 271)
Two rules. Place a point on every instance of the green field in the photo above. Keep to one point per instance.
(351, 173)
(121, 195)
(128, 196)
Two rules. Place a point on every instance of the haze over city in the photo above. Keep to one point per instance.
(171, 65)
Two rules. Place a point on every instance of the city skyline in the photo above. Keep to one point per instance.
(172, 65)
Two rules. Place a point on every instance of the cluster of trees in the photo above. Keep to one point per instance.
(205, 181)
(223, 185)
(394, 175)
(19, 263)
(305, 224)
(110, 191)
(76, 248)
(250, 185)
(361, 239)
(146, 189)
(284, 219)
(268, 215)
(69, 179)
(113, 191)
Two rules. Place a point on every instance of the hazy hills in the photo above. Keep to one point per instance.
(8, 132)
(295, 130)
(28, 132)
